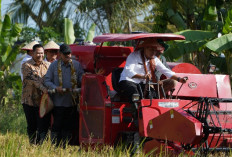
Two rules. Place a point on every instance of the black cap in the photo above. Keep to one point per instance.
(65, 49)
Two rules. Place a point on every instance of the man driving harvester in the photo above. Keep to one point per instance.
(140, 67)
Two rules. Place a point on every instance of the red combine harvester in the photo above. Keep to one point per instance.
(196, 115)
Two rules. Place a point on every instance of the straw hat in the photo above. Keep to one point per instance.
(30, 45)
(151, 42)
(51, 45)
(46, 105)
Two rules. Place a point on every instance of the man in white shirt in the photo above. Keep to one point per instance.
(29, 50)
(140, 66)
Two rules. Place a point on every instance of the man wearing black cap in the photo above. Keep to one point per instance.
(64, 74)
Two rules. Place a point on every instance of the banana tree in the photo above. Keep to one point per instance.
(195, 42)
(9, 34)
(223, 45)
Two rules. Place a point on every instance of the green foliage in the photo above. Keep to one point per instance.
(28, 34)
(12, 119)
(48, 33)
(221, 44)
(195, 39)
(112, 15)
(227, 28)
(210, 11)
(197, 35)
(160, 25)
(9, 83)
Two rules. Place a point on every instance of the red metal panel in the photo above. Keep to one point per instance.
(111, 57)
(184, 68)
(155, 110)
(85, 55)
(92, 109)
(176, 126)
(126, 37)
(117, 124)
(224, 91)
(198, 85)
(223, 86)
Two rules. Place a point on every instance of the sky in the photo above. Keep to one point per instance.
(4, 6)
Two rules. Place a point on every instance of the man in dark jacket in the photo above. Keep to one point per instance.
(64, 73)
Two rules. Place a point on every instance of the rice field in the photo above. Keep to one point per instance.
(14, 142)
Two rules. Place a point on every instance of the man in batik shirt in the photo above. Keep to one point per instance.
(33, 87)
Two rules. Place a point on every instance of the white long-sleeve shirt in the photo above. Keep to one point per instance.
(134, 65)
(26, 58)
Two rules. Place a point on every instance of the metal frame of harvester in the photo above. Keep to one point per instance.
(196, 117)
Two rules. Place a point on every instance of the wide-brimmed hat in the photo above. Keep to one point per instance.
(29, 46)
(65, 49)
(51, 45)
(46, 105)
(151, 42)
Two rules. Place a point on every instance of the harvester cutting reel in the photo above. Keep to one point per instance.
(212, 125)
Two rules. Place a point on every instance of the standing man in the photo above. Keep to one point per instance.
(29, 50)
(51, 51)
(33, 72)
(64, 73)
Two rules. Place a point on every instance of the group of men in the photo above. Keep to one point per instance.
(55, 71)
(38, 76)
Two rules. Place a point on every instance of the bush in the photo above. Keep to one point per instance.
(12, 119)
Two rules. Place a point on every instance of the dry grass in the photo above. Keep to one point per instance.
(16, 145)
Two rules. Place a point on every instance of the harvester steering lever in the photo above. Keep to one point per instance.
(186, 78)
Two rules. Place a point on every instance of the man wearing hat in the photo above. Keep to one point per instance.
(64, 73)
(141, 65)
(29, 50)
(51, 50)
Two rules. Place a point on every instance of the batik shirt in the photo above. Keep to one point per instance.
(33, 82)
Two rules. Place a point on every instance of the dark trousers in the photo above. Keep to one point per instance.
(37, 127)
(128, 88)
(65, 125)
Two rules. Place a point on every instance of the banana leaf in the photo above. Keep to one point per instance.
(178, 49)
(91, 33)
(196, 35)
(69, 36)
(16, 30)
(6, 26)
(11, 55)
(176, 19)
(220, 44)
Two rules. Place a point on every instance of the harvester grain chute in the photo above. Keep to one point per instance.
(196, 116)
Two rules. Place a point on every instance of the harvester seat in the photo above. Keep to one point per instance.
(116, 73)
(117, 97)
